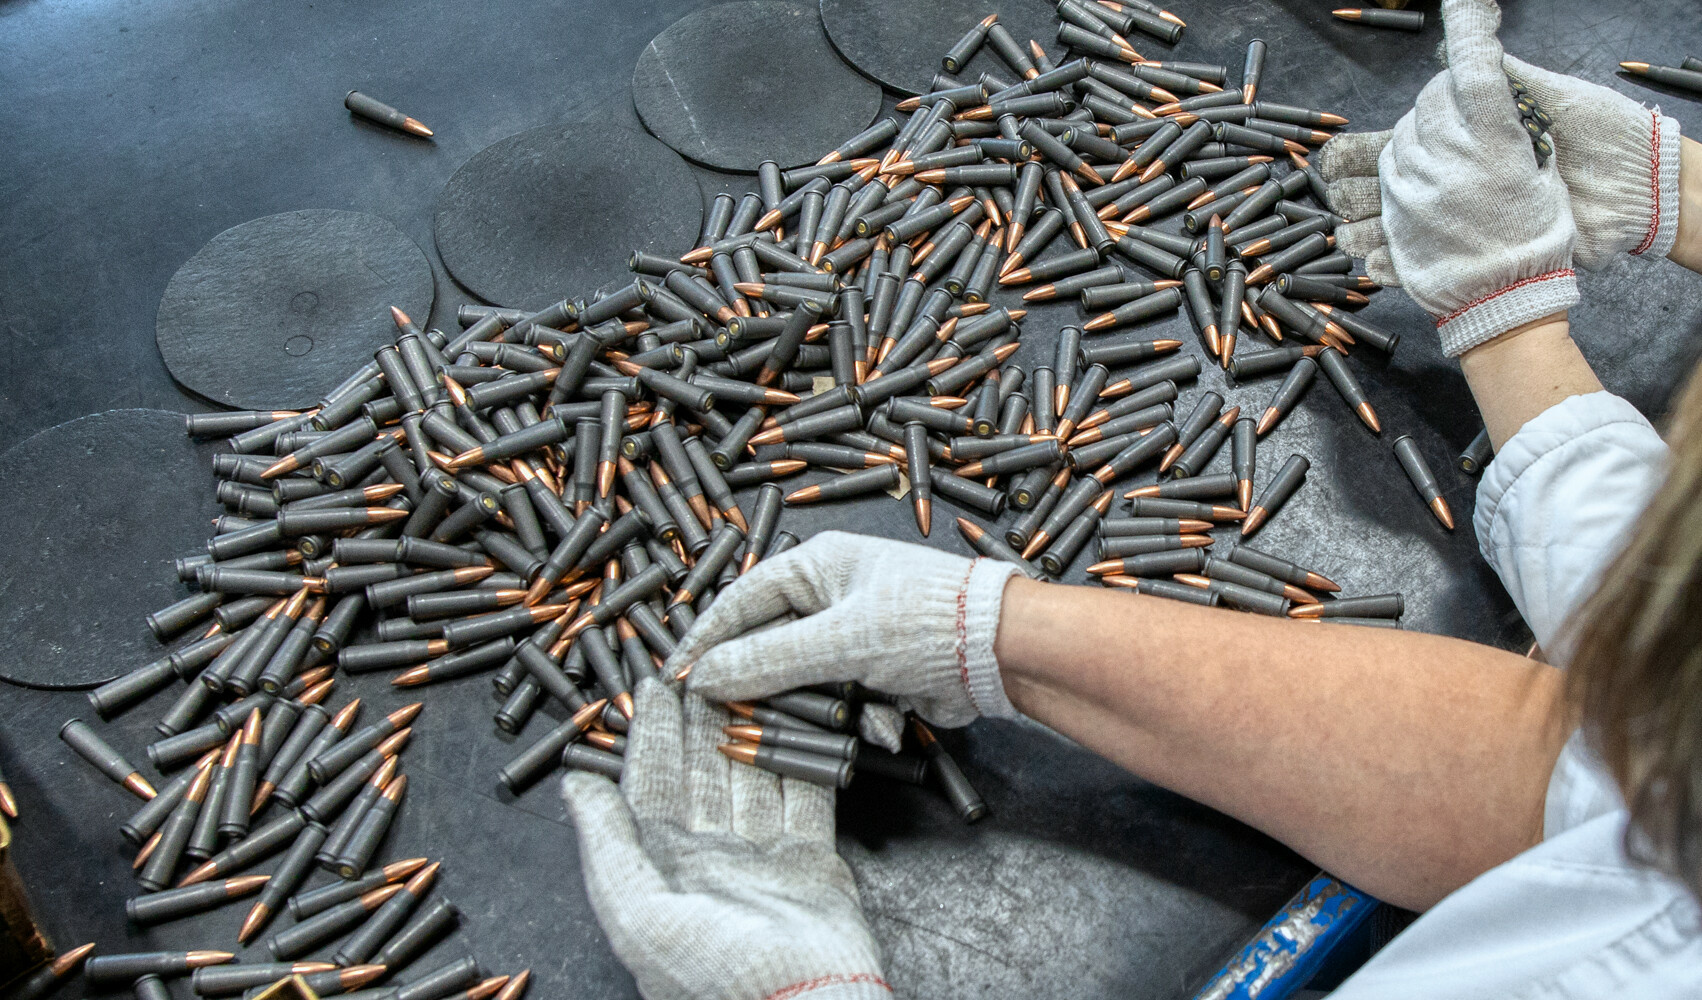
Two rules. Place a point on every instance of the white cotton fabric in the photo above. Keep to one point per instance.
(1573, 918)
(1619, 160)
(715, 880)
(1480, 235)
(1558, 501)
(903, 619)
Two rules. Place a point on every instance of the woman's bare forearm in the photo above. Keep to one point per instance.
(1525, 371)
(1687, 249)
(1405, 763)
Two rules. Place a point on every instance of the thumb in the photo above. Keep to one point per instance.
(1351, 154)
(809, 650)
(1474, 57)
(617, 871)
(882, 725)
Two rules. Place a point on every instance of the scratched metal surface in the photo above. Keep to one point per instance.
(181, 120)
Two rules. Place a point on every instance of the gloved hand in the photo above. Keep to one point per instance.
(1479, 235)
(1619, 161)
(899, 618)
(714, 879)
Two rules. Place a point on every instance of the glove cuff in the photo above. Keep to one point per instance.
(1488, 317)
(1663, 188)
(842, 986)
(979, 603)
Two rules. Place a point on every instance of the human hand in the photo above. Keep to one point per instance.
(714, 879)
(898, 618)
(1457, 209)
(1619, 161)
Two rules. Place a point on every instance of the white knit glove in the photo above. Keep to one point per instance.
(1619, 161)
(715, 880)
(907, 620)
(1479, 235)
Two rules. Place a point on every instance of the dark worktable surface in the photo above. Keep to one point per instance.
(135, 132)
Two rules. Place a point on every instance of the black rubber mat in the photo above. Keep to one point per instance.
(791, 99)
(900, 42)
(96, 509)
(555, 212)
(274, 313)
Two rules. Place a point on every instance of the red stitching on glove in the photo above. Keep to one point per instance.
(963, 634)
(1654, 187)
(840, 979)
(1469, 306)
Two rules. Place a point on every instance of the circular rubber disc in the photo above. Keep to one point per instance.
(96, 509)
(733, 85)
(554, 212)
(900, 42)
(274, 313)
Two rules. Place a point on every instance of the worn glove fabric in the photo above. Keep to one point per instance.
(715, 880)
(1619, 161)
(1478, 234)
(907, 620)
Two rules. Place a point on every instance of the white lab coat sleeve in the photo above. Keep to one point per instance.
(1558, 503)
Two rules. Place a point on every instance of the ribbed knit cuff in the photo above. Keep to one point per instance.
(858, 986)
(1663, 189)
(978, 608)
(1494, 314)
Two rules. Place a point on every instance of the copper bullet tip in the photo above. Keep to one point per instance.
(146, 852)
(1635, 67)
(397, 870)
(69, 960)
(744, 753)
(421, 880)
(412, 677)
(406, 714)
(202, 959)
(1255, 518)
(1016, 276)
(1318, 581)
(416, 127)
(515, 986)
(199, 875)
(1439, 507)
(138, 785)
(400, 318)
(1297, 595)
(8, 801)
(356, 976)
(1367, 414)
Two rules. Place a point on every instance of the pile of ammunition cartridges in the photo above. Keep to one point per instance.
(549, 498)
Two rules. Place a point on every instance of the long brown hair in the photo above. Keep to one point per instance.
(1636, 669)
